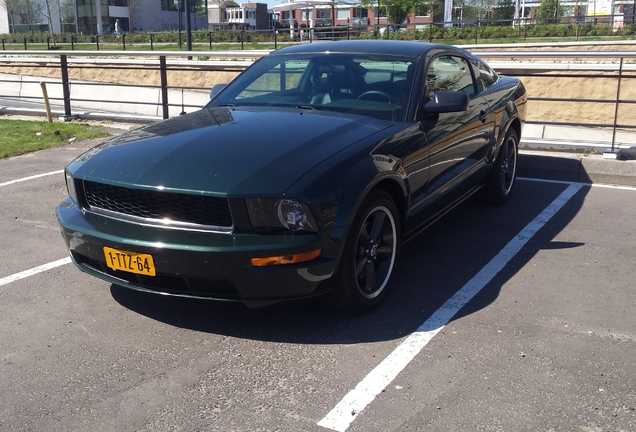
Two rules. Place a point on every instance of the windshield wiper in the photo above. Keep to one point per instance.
(306, 107)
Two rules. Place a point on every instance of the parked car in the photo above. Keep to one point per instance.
(300, 178)
(361, 21)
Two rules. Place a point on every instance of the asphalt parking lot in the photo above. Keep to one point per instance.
(512, 318)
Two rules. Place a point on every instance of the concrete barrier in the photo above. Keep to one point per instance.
(86, 95)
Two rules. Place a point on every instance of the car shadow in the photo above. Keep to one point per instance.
(433, 267)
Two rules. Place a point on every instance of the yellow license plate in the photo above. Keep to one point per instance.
(131, 262)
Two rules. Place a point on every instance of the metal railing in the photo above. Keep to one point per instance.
(619, 67)
(137, 96)
(461, 28)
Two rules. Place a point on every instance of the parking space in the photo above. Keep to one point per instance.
(543, 339)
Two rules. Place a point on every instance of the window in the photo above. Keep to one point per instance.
(484, 75)
(323, 13)
(279, 78)
(450, 73)
(422, 10)
(342, 14)
(170, 5)
(379, 86)
(360, 13)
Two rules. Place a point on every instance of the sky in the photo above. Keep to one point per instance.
(271, 3)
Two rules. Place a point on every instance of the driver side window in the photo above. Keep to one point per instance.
(449, 73)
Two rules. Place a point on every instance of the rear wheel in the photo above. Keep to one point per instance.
(370, 255)
(500, 183)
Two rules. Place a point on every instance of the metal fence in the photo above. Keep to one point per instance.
(576, 76)
(474, 30)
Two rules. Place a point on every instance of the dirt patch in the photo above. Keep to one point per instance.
(600, 90)
(115, 73)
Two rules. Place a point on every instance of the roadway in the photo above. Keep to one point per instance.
(507, 318)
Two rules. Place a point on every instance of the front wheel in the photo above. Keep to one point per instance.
(370, 255)
(499, 184)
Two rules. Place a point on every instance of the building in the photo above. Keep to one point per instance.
(246, 16)
(98, 16)
(351, 14)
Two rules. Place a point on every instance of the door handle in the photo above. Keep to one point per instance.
(483, 116)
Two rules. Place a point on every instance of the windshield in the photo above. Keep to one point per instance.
(376, 86)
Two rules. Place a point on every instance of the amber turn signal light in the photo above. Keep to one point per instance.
(285, 259)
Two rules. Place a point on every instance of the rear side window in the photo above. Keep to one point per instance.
(484, 75)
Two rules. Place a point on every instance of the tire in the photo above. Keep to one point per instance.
(369, 258)
(501, 180)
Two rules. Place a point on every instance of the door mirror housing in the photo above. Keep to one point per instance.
(447, 101)
(216, 89)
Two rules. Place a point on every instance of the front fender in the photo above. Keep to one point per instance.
(336, 188)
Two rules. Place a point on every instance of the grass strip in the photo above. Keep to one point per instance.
(25, 136)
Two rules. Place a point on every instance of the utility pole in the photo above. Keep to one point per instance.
(186, 4)
(188, 28)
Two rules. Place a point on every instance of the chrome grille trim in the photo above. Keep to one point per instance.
(158, 223)
(148, 207)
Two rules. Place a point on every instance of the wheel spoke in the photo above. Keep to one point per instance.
(363, 237)
(378, 222)
(369, 286)
(361, 264)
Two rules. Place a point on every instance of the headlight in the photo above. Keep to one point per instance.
(70, 185)
(276, 215)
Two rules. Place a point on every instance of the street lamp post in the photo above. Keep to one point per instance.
(188, 26)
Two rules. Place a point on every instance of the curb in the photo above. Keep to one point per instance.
(84, 115)
(576, 168)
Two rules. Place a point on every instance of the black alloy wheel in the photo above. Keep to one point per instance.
(500, 184)
(370, 256)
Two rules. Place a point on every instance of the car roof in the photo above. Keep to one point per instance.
(391, 47)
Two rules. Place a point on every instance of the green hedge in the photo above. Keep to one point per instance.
(483, 33)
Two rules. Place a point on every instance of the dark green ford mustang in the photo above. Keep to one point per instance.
(300, 178)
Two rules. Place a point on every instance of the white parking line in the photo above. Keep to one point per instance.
(33, 271)
(31, 177)
(593, 185)
(346, 411)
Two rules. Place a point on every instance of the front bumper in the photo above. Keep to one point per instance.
(200, 264)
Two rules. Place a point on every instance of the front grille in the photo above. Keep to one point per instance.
(159, 206)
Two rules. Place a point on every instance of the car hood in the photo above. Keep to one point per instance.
(225, 151)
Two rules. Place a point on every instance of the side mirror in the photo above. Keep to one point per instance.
(447, 101)
(216, 89)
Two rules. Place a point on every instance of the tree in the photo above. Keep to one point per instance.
(399, 10)
(13, 8)
(549, 11)
(504, 12)
(67, 16)
(200, 8)
(22, 12)
(130, 5)
(52, 7)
